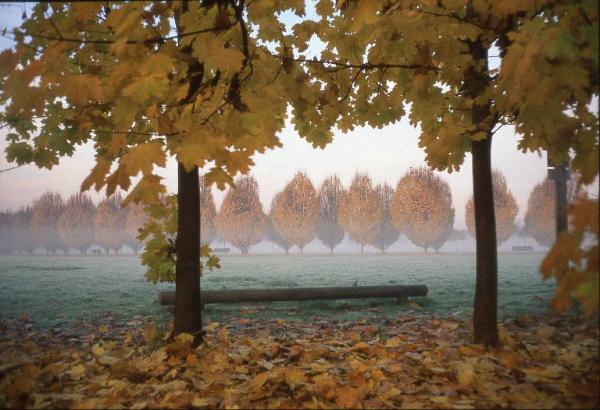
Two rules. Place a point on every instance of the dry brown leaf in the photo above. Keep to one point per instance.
(294, 377)
(348, 398)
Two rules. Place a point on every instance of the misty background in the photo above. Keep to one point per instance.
(385, 154)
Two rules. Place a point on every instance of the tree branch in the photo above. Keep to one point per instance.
(151, 40)
(364, 66)
(10, 169)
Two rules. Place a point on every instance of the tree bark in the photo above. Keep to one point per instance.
(485, 328)
(188, 316)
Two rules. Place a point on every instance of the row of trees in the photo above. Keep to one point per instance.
(420, 207)
(78, 223)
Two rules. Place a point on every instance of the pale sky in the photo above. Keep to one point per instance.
(386, 154)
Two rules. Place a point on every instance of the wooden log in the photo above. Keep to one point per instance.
(294, 294)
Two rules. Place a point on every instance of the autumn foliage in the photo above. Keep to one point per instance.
(573, 262)
(76, 224)
(359, 211)
(541, 213)
(109, 221)
(295, 211)
(44, 221)
(329, 230)
(241, 220)
(505, 209)
(273, 234)
(406, 361)
(275, 237)
(387, 234)
(422, 208)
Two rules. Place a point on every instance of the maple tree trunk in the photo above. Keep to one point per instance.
(485, 328)
(187, 317)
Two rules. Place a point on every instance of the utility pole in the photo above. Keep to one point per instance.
(560, 174)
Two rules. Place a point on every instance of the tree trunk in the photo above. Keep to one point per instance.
(362, 249)
(477, 80)
(485, 328)
(188, 316)
(560, 179)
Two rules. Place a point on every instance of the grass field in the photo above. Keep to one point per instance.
(58, 289)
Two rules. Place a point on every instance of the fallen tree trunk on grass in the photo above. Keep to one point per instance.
(295, 294)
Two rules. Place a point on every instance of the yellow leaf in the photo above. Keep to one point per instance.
(97, 176)
(77, 372)
(97, 350)
(465, 373)
(212, 326)
(142, 158)
(147, 191)
(365, 13)
(394, 342)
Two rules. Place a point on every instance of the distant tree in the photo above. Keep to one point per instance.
(387, 234)
(446, 233)
(274, 236)
(541, 214)
(295, 211)
(109, 222)
(422, 208)
(457, 235)
(46, 213)
(136, 218)
(359, 211)
(540, 218)
(22, 233)
(76, 223)
(6, 227)
(208, 212)
(505, 208)
(241, 220)
(329, 230)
